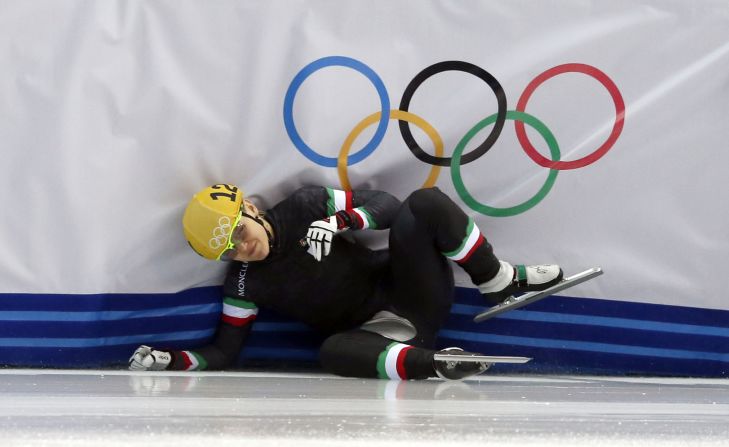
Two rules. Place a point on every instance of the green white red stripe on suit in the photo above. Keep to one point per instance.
(364, 220)
(338, 200)
(193, 361)
(469, 244)
(391, 362)
(342, 201)
(238, 312)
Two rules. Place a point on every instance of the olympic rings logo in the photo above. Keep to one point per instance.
(498, 119)
(220, 233)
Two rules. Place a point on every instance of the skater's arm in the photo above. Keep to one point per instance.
(335, 211)
(235, 325)
(361, 209)
(354, 210)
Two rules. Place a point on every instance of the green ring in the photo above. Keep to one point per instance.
(522, 207)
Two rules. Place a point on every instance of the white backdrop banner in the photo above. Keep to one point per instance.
(584, 132)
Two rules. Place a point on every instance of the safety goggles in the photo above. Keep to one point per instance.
(237, 235)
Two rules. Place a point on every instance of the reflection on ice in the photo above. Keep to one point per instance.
(47, 406)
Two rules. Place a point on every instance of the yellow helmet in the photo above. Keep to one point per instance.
(210, 217)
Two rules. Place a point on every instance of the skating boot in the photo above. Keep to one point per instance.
(516, 279)
(515, 302)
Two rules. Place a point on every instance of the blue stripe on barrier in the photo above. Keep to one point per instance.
(644, 325)
(609, 335)
(108, 301)
(101, 329)
(572, 333)
(584, 346)
(106, 341)
(109, 315)
(545, 360)
(610, 308)
(59, 334)
(77, 357)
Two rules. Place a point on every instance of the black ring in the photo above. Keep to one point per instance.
(453, 66)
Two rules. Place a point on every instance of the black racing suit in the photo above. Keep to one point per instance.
(412, 279)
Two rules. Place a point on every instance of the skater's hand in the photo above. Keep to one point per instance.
(320, 235)
(147, 359)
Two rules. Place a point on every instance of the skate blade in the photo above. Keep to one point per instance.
(516, 302)
(480, 358)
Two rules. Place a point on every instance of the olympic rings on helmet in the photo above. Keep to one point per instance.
(220, 233)
(519, 116)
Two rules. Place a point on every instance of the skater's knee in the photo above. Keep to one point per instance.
(332, 346)
(352, 353)
(424, 202)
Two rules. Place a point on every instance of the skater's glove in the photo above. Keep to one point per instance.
(320, 235)
(147, 359)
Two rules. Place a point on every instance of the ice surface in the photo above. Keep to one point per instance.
(115, 408)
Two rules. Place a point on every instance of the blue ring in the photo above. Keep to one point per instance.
(311, 154)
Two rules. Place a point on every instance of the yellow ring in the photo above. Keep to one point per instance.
(374, 118)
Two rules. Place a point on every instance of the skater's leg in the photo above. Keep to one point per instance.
(421, 284)
(453, 234)
(458, 238)
(360, 353)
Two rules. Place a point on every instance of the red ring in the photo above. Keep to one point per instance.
(590, 158)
